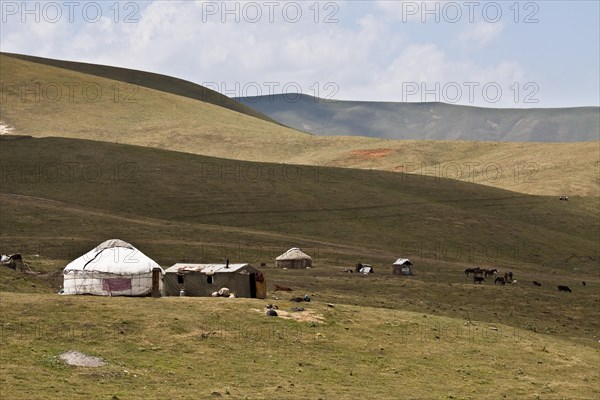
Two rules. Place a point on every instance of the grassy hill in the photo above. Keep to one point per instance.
(60, 197)
(79, 105)
(148, 80)
(429, 121)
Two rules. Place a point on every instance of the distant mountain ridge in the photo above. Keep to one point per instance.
(428, 121)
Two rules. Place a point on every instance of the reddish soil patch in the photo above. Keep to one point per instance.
(371, 153)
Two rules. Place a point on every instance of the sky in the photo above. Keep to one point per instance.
(520, 54)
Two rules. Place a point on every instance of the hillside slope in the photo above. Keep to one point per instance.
(429, 121)
(61, 197)
(41, 100)
(342, 206)
(149, 80)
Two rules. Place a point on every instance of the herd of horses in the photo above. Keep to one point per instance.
(479, 275)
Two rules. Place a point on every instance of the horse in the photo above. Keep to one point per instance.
(475, 271)
(500, 281)
(490, 272)
(478, 279)
(536, 283)
(564, 288)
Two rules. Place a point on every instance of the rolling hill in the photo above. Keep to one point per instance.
(428, 121)
(55, 188)
(60, 197)
(148, 80)
(145, 169)
(342, 206)
(68, 103)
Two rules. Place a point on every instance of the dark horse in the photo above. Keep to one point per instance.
(490, 272)
(500, 281)
(475, 271)
(478, 279)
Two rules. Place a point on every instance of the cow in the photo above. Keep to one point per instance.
(564, 288)
(536, 283)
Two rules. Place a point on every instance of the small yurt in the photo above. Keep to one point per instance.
(293, 258)
(402, 266)
(113, 268)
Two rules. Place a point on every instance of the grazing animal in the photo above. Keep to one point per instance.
(536, 283)
(490, 272)
(478, 279)
(564, 288)
(583, 283)
(474, 271)
(282, 288)
(500, 281)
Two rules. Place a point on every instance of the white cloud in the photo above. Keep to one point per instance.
(481, 33)
(367, 57)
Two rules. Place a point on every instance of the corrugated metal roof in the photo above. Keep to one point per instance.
(206, 268)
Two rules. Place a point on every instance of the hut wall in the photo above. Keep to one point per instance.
(303, 263)
(402, 269)
(198, 284)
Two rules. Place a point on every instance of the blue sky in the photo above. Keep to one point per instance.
(490, 54)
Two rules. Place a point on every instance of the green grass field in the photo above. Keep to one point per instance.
(206, 348)
(435, 335)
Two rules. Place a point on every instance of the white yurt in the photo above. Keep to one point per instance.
(293, 258)
(113, 268)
